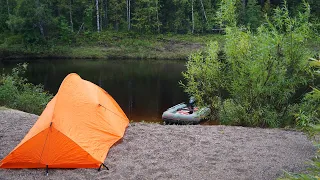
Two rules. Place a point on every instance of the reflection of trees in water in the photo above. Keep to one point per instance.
(100, 78)
(142, 88)
(130, 99)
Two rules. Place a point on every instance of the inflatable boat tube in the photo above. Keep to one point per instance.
(180, 114)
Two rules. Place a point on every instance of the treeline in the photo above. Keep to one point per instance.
(36, 20)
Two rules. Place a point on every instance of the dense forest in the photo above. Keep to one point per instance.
(37, 21)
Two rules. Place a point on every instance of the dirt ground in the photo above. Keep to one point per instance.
(153, 151)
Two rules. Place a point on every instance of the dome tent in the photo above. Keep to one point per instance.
(76, 129)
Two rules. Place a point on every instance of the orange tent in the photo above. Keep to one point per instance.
(76, 129)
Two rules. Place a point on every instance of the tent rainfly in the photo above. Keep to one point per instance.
(76, 129)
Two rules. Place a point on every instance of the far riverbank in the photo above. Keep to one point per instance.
(113, 46)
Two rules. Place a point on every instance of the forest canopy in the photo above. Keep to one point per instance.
(36, 21)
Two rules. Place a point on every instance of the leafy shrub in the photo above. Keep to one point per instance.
(309, 114)
(308, 120)
(8, 90)
(255, 80)
(16, 92)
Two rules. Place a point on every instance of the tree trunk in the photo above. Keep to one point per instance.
(192, 16)
(105, 13)
(204, 12)
(80, 28)
(117, 25)
(41, 29)
(40, 22)
(98, 18)
(70, 15)
(128, 14)
(8, 7)
(158, 24)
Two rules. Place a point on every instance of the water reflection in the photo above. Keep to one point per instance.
(143, 89)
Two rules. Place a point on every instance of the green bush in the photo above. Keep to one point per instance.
(308, 120)
(309, 114)
(256, 78)
(16, 92)
(8, 90)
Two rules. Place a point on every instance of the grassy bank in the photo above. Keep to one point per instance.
(110, 45)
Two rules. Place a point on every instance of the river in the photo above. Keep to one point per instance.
(143, 89)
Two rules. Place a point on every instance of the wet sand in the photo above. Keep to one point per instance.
(153, 151)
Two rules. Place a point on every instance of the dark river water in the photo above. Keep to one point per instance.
(143, 89)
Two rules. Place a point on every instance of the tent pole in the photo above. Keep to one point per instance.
(103, 166)
(99, 167)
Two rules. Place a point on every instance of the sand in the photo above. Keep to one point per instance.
(153, 151)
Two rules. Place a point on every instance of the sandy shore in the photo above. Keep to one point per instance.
(152, 151)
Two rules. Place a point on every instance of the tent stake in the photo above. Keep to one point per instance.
(47, 170)
(105, 166)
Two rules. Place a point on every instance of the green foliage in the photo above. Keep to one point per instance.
(16, 92)
(15, 23)
(59, 21)
(145, 17)
(45, 27)
(308, 120)
(117, 15)
(88, 17)
(256, 80)
(253, 14)
(226, 15)
(65, 31)
(309, 114)
(179, 20)
(267, 8)
(204, 76)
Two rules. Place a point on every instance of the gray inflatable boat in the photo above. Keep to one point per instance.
(180, 114)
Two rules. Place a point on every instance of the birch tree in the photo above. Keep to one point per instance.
(158, 24)
(39, 15)
(8, 7)
(192, 17)
(203, 11)
(97, 13)
(129, 14)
